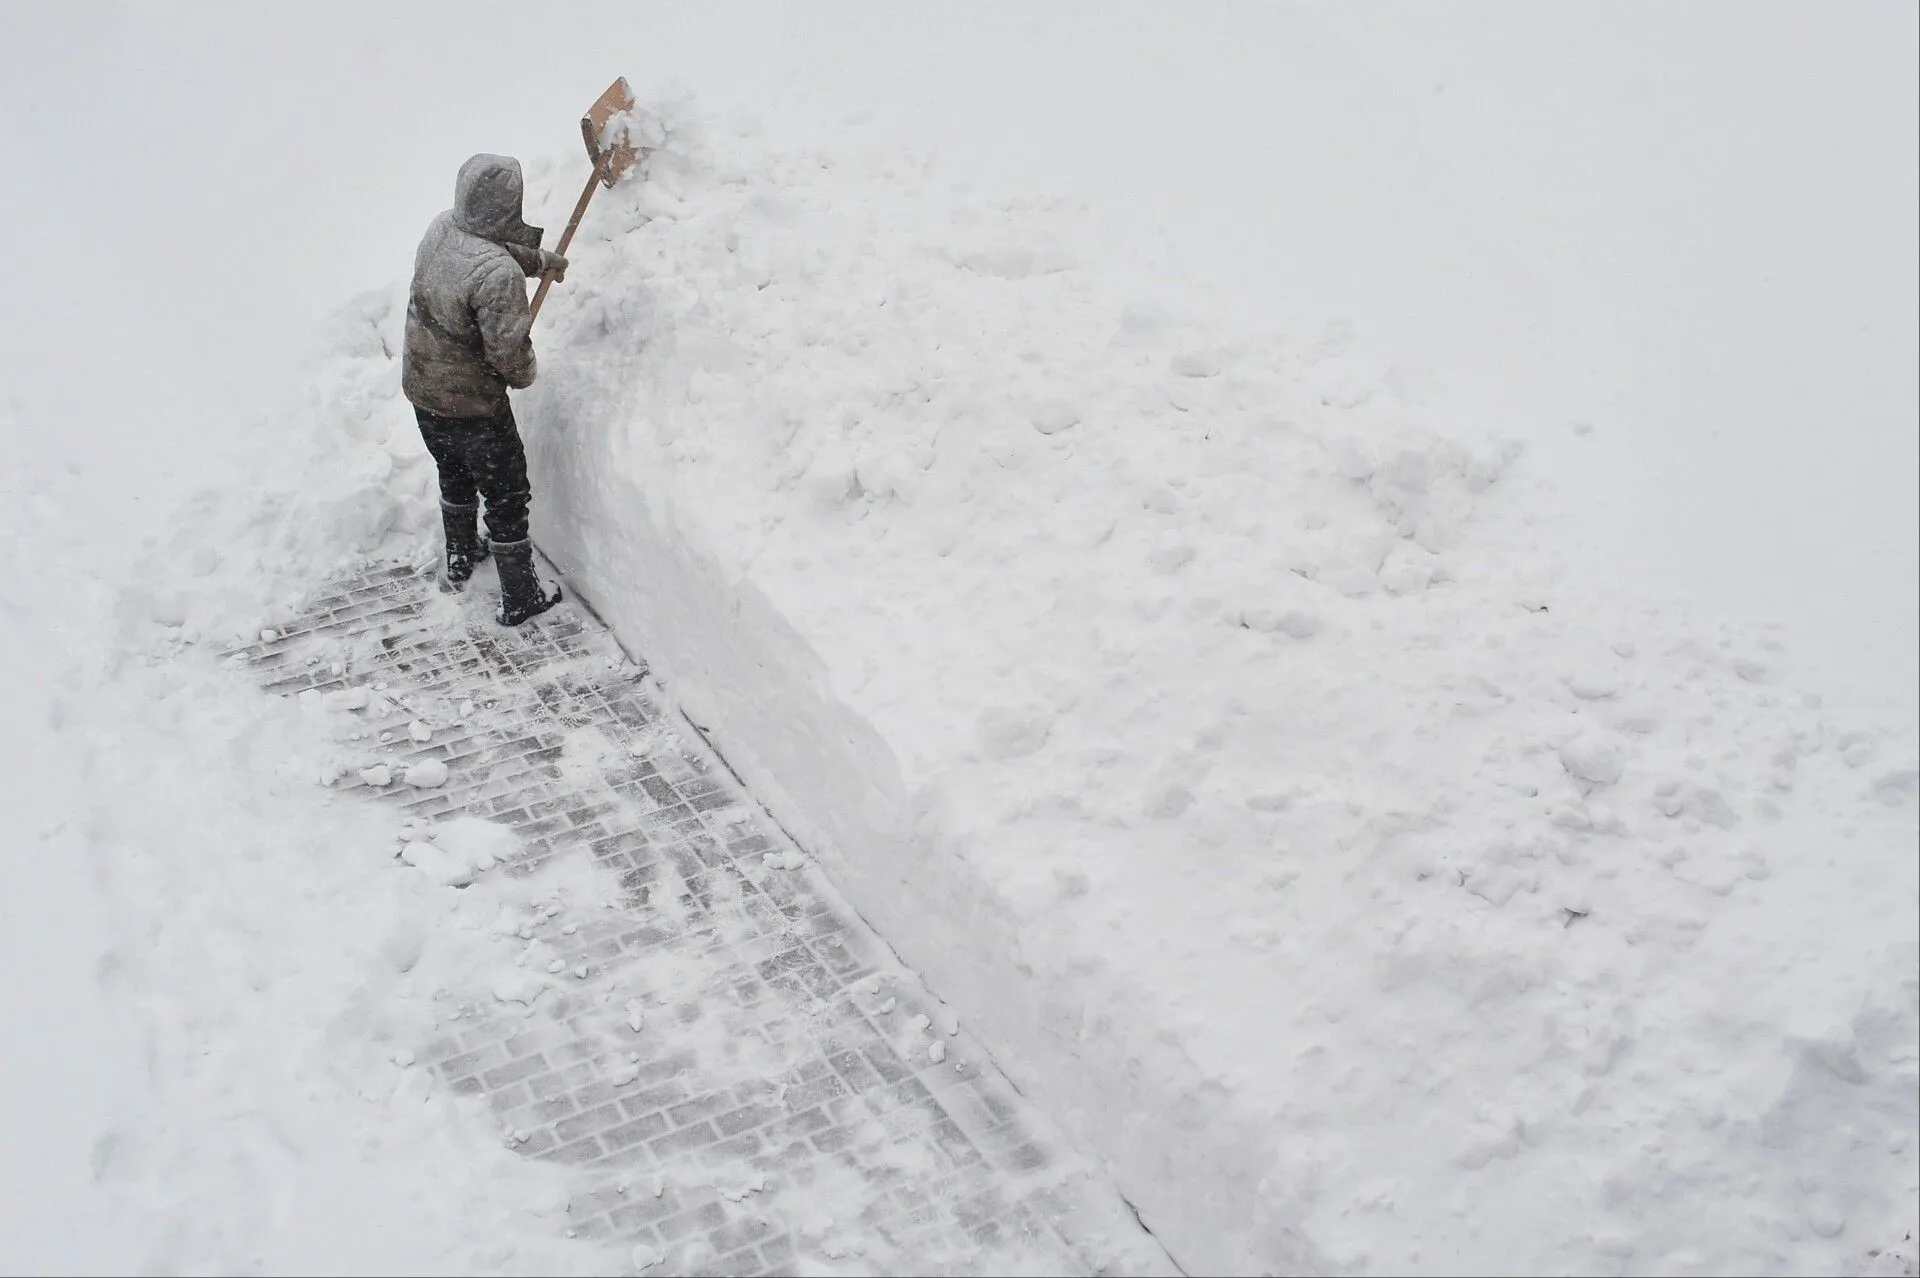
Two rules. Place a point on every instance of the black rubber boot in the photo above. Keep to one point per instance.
(465, 546)
(521, 594)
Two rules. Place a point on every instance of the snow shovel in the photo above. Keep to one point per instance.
(611, 159)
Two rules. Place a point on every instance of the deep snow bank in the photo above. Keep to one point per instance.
(1216, 732)
(1226, 741)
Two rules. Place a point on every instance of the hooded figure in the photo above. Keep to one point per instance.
(467, 342)
(467, 314)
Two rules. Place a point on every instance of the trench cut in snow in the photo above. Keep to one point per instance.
(652, 989)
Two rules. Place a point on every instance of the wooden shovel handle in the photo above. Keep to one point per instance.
(566, 237)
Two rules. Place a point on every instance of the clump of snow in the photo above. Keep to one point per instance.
(1594, 758)
(442, 867)
(518, 986)
(427, 774)
(1052, 416)
(475, 839)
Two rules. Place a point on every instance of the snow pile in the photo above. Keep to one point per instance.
(342, 479)
(1224, 737)
(275, 973)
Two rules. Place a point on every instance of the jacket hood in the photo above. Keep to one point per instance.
(487, 199)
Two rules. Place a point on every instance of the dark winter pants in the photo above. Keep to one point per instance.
(482, 456)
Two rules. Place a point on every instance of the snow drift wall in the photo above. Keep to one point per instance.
(1209, 728)
(656, 537)
(754, 685)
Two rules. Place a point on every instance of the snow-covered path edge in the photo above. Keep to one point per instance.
(759, 692)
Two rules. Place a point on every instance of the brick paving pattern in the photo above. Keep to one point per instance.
(784, 1106)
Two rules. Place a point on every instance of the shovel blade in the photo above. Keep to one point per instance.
(612, 153)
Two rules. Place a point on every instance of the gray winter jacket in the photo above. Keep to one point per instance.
(467, 313)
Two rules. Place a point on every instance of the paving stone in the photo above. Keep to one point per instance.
(644, 1128)
(473, 1062)
(561, 1081)
(592, 1121)
(763, 1093)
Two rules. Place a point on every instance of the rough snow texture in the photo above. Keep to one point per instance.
(638, 993)
(1221, 737)
(1367, 895)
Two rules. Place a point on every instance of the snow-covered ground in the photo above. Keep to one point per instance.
(1326, 808)
(196, 951)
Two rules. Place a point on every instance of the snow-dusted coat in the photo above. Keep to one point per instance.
(467, 313)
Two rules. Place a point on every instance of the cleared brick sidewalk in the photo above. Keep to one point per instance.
(786, 1109)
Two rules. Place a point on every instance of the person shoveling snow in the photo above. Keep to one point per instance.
(468, 341)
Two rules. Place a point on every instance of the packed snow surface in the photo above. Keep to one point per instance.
(1212, 724)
